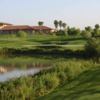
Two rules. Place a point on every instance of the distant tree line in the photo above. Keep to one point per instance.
(61, 28)
(87, 32)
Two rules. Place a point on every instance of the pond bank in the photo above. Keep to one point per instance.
(45, 82)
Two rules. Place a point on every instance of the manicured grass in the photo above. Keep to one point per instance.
(10, 41)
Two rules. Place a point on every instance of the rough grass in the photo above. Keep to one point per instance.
(85, 87)
(21, 62)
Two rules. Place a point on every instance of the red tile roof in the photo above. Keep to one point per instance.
(41, 28)
(24, 27)
(17, 27)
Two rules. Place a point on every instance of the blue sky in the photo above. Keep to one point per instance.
(78, 13)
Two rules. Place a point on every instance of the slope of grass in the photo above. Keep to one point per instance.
(85, 87)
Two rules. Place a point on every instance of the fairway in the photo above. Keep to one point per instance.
(42, 40)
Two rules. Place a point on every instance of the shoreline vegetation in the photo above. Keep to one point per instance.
(75, 59)
(46, 81)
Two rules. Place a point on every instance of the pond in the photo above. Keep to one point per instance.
(15, 67)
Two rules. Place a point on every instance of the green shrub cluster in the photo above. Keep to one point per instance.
(22, 34)
(93, 47)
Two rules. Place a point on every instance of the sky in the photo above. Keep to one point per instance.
(78, 13)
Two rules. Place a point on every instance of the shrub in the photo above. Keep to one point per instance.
(61, 33)
(73, 31)
(63, 77)
(86, 34)
(22, 34)
(51, 81)
(46, 83)
(93, 47)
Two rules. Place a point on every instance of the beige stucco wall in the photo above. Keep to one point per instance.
(2, 26)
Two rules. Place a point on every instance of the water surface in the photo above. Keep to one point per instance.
(11, 68)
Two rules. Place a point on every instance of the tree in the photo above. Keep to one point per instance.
(64, 25)
(60, 24)
(73, 31)
(40, 23)
(56, 23)
(87, 33)
(97, 26)
(88, 28)
(96, 30)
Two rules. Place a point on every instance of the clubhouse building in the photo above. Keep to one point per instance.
(6, 28)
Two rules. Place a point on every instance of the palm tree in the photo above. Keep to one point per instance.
(60, 24)
(97, 26)
(64, 25)
(40, 23)
(56, 23)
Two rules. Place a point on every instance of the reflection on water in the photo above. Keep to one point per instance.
(18, 73)
(2, 69)
(14, 70)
